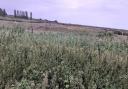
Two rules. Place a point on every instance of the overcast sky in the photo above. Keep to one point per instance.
(104, 13)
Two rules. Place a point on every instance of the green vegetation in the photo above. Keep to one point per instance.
(61, 60)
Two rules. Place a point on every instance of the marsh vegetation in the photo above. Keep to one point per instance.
(62, 60)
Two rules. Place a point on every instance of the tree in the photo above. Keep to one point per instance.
(0, 12)
(31, 15)
(15, 13)
(4, 12)
(26, 14)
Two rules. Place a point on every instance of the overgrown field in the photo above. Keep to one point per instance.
(62, 60)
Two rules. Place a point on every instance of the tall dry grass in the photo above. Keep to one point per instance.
(61, 60)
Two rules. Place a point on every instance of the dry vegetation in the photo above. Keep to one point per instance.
(62, 59)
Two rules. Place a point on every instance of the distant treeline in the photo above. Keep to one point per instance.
(3, 12)
(17, 14)
(22, 14)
